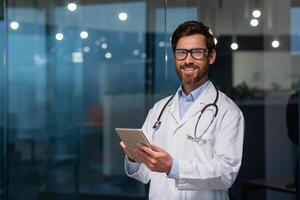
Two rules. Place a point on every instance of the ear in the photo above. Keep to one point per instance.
(212, 57)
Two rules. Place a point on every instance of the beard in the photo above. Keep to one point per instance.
(192, 74)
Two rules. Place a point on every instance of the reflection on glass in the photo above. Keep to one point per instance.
(72, 6)
(14, 25)
(64, 91)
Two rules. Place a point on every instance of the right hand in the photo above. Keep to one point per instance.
(125, 150)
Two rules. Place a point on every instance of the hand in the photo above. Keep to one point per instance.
(125, 150)
(155, 158)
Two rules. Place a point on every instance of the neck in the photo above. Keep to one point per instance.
(188, 88)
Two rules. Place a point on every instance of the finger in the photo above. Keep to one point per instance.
(149, 166)
(123, 145)
(125, 150)
(141, 153)
(153, 161)
(141, 145)
(145, 149)
(155, 148)
(152, 158)
(151, 153)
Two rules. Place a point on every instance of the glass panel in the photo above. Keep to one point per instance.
(2, 102)
(27, 111)
(166, 80)
(77, 71)
(260, 77)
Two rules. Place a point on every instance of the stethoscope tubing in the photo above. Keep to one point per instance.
(195, 138)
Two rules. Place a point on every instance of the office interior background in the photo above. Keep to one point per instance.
(73, 70)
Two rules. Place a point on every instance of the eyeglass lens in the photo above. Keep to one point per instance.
(198, 53)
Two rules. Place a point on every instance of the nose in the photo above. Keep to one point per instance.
(189, 59)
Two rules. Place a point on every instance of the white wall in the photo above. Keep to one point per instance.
(263, 68)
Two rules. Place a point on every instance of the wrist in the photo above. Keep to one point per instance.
(169, 167)
(174, 172)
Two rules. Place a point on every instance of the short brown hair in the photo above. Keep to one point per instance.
(189, 28)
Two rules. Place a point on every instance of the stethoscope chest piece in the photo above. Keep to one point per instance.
(156, 125)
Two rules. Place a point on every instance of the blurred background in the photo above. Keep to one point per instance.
(73, 70)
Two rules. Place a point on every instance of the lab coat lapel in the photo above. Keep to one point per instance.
(207, 97)
(174, 110)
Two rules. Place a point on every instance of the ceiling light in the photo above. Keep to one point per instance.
(123, 16)
(84, 34)
(215, 40)
(72, 7)
(135, 52)
(86, 49)
(77, 57)
(108, 55)
(275, 43)
(59, 36)
(254, 22)
(104, 45)
(256, 13)
(14, 25)
(234, 46)
(161, 44)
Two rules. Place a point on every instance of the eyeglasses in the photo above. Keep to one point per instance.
(197, 53)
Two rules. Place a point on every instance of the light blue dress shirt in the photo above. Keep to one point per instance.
(185, 102)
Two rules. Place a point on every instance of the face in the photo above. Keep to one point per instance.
(192, 72)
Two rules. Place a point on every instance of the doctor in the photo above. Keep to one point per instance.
(196, 135)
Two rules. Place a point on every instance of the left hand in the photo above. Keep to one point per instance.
(155, 158)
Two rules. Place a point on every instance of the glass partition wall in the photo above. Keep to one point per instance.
(72, 71)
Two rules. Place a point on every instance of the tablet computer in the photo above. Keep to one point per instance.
(131, 137)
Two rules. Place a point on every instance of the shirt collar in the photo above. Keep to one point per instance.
(195, 93)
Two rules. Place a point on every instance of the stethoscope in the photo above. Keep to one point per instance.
(193, 138)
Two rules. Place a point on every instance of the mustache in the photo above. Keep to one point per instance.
(188, 66)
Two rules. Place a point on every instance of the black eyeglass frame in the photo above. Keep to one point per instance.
(191, 52)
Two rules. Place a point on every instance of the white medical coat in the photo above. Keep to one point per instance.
(207, 168)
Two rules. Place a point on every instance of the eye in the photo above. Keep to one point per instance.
(181, 51)
(198, 51)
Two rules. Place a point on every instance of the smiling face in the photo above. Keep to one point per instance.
(192, 72)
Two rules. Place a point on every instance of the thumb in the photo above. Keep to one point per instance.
(125, 150)
(122, 145)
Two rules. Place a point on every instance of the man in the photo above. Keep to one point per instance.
(196, 143)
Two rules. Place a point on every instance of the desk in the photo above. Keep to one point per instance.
(276, 184)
